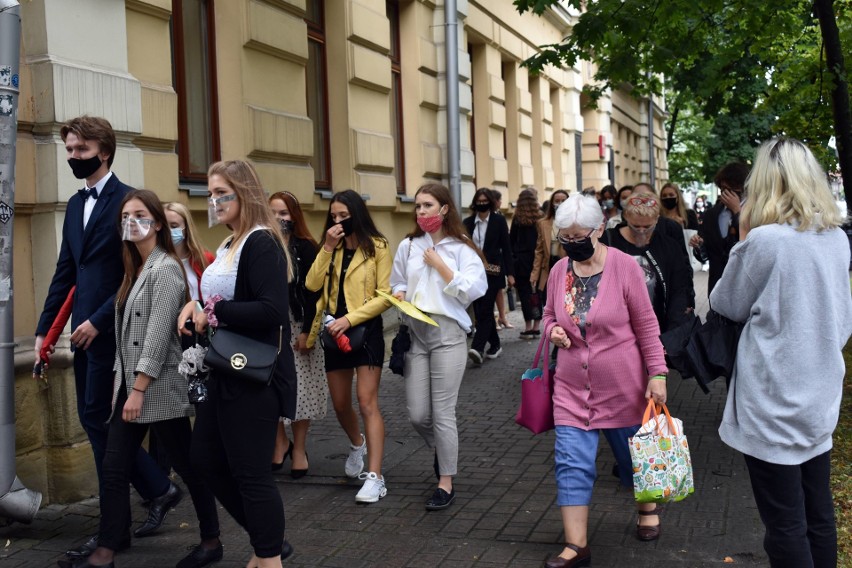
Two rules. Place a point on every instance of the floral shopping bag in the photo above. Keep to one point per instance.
(662, 468)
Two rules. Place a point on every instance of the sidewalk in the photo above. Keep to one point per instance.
(504, 514)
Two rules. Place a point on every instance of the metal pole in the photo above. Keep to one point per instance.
(651, 162)
(451, 45)
(17, 503)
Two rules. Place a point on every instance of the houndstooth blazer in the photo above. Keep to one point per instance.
(147, 341)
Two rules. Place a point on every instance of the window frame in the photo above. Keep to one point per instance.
(392, 8)
(179, 82)
(316, 34)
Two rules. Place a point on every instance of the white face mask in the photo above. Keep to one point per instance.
(135, 230)
(217, 206)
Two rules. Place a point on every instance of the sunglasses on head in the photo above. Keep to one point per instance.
(640, 200)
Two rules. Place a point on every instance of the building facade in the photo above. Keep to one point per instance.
(321, 96)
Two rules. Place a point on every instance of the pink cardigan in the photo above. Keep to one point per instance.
(601, 382)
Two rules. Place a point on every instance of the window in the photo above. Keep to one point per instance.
(194, 49)
(317, 93)
(392, 10)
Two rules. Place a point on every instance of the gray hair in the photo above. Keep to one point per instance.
(581, 210)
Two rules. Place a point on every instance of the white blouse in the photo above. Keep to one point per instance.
(425, 287)
(220, 277)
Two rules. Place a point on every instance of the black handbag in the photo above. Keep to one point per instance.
(241, 357)
(712, 349)
(399, 347)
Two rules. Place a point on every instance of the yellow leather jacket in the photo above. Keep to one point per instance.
(363, 277)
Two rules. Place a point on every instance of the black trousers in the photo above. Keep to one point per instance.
(232, 446)
(797, 510)
(123, 443)
(93, 376)
(483, 309)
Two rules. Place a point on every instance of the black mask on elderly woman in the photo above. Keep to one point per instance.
(580, 251)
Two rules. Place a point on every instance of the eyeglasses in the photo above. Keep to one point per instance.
(486, 202)
(571, 240)
(639, 201)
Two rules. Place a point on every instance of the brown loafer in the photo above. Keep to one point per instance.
(649, 533)
(583, 558)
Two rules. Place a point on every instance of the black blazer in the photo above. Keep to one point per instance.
(495, 246)
(259, 307)
(303, 302)
(716, 245)
(91, 260)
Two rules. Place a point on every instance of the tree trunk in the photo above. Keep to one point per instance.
(840, 93)
(672, 125)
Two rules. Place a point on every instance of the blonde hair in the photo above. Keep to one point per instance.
(787, 184)
(680, 210)
(196, 251)
(642, 203)
(254, 206)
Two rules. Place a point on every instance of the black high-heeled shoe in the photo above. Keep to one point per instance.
(299, 473)
(289, 453)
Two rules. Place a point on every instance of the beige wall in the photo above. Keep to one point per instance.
(524, 129)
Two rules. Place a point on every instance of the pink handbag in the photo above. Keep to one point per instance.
(536, 410)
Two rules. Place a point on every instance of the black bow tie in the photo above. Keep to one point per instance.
(86, 192)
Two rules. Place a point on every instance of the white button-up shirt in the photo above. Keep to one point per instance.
(89, 204)
(425, 287)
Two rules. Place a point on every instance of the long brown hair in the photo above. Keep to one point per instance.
(254, 207)
(300, 227)
(196, 251)
(527, 211)
(452, 225)
(363, 228)
(551, 210)
(130, 256)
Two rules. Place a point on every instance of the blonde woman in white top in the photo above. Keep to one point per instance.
(440, 271)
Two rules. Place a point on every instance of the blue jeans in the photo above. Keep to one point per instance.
(575, 454)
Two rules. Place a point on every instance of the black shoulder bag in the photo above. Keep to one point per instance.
(239, 356)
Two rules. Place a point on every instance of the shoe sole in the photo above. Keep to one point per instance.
(367, 500)
(440, 507)
(476, 360)
(494, 355)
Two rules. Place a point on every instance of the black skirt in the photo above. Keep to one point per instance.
(371, 354)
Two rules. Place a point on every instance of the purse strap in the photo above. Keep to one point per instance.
(542, 349)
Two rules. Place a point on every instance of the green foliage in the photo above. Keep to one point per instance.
(752, 68)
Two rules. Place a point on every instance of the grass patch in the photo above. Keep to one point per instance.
(841, 468)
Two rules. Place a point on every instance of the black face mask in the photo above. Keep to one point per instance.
(84, 168)
(580, 251)
(346, 225)
(669, 202)
(482, 207)
(286, 226)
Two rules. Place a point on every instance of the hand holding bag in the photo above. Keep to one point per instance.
(536, 410)
(241, 357)
(662, 468)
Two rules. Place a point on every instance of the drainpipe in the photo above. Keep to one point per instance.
(451, 45)
(651, 162)
(17, 503)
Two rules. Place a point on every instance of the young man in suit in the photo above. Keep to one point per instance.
(720, 229)
(490, 233)
(90, 258)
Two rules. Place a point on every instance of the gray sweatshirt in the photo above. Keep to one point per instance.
(791, 288)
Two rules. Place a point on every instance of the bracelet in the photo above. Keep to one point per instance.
(137, 390)
(658, 378)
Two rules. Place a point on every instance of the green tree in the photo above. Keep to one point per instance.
(731, 58)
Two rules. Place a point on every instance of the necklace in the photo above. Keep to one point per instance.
(584, 281)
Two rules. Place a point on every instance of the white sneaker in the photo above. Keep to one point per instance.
(475, 356)
(493, 354)
(373, 488)
(355, 461)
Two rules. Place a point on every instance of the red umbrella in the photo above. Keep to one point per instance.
(53, 335)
